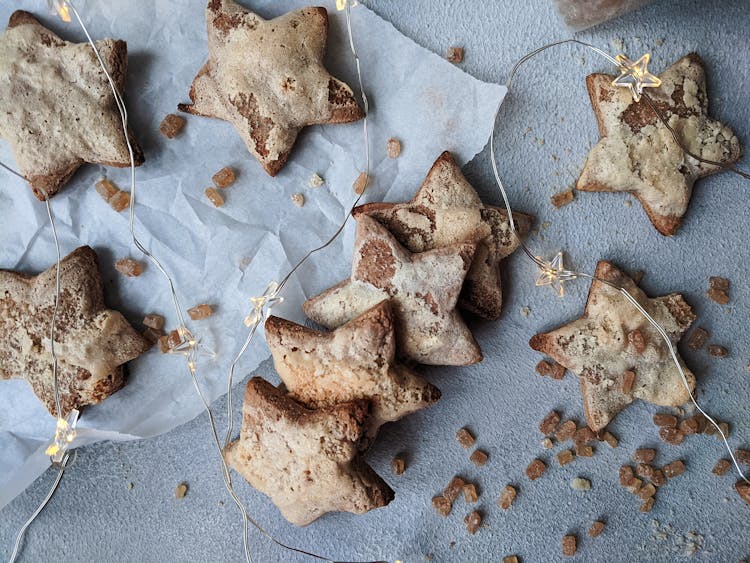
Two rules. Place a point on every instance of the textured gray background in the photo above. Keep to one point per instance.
(117, 503)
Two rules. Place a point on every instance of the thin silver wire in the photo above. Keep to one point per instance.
(569, 274)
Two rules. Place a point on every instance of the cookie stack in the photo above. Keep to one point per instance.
(414, 265)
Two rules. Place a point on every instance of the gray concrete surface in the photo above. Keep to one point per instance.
(117, 503)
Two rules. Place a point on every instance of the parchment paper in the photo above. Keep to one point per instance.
(221, 256)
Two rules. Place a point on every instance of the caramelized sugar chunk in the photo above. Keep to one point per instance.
(171, 125)
(361, 183)
(106, 189)
(120, 201)
(455, 55)
(562, 199)
(507, 496)
(202, 311)
(536, 469)
(224, 178)
(569, 545)
(214, 197)
(473, 521)
(129, 267)
(674, 469)
(465, 437)
(393, 148)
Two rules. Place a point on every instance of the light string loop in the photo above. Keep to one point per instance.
(553, 273)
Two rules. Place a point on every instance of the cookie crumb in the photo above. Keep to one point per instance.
(507, 496)
(106, 189)
(536, 469)
(214, 197)
(698, 338)
(154, 321)
(398, 465)
(130, 486)
(644, 455)
(171, 125)
(718, 351)
(181, 491)
(580, 484)
(565, 457)
(562, 199)
(722, 467)
(360, 183)
(465, 437)
(473, 520)
(202, 311)
(129, 267)
(316, 181)
(470, 493)
(525, 311)
(297, 199)
(596, 529)
(455, 55)
(549, 423)
(393, 147)
(569, 545)
(674, 469)
(717, 290)
(479, 458)
(120, 201)
(547, 444)
(224, 178)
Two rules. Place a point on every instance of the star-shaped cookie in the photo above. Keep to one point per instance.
(306, 461)
(57, 110)
(91, 342)
(637, 153)
(616, 352)
(267, 78)
(424, 289)
(356, 361)
(447, 210)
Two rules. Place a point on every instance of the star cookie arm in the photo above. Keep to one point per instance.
(342, 302)
(205, 96)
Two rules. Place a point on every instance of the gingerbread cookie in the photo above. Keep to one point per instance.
(424, 289)
(447, 210)
(356, 361)
(306, 461)
(637, 153)
(616, 352)
(59, 126)
(267, 79)
(91, 342)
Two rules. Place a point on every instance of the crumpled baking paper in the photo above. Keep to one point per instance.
(221, 256)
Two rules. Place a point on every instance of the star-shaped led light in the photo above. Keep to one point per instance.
(262, 305)
(635, 75)
(341, 4)
(554, 274)
(191, 347)
(65, 433)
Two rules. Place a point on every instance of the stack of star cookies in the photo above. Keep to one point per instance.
(414, 265)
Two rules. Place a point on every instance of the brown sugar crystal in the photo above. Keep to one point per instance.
(718, 296)
(566, 430)
(644, 455)
(181, 491)
(718, 351)
(569, 546)
(698, 339)
(120, 201)
(152, 335)
(626, 475)
(507, 496)
(154, 321)
(470, 493)
(689, 426)
(658, 478)
(129, 267)
(549, 423)
(360, 183)
(398, 465)
(674, 469)
(647, 504)
(628, 378)
(743, 456)
(663, 419)
(646, 491)
(611, 439)
(536, 469)
(473, 521)
(171, 125)
(106, 189)
(635, 485)
(465, 437)
(443, 506)
(565, 457)
(455, 55)
(743, 489)
(722, 467)
(584, 451)
(393, 148)
(671, 435)
(583, 436)
(202, 311)
(562, 199)
(479, 458)
(166, 343)
(551, 368)
(214, 197)
(454, 488)
(596, 529)
(510, 559)
(644, 470)
(224, 178)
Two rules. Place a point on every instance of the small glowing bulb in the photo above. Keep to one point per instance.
(65, 433)
(341, 4)
(554, 274)
(61, 8)
(191, 347)
(635, 75)
(262, 305)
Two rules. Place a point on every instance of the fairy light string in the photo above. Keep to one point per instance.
(635, 77)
